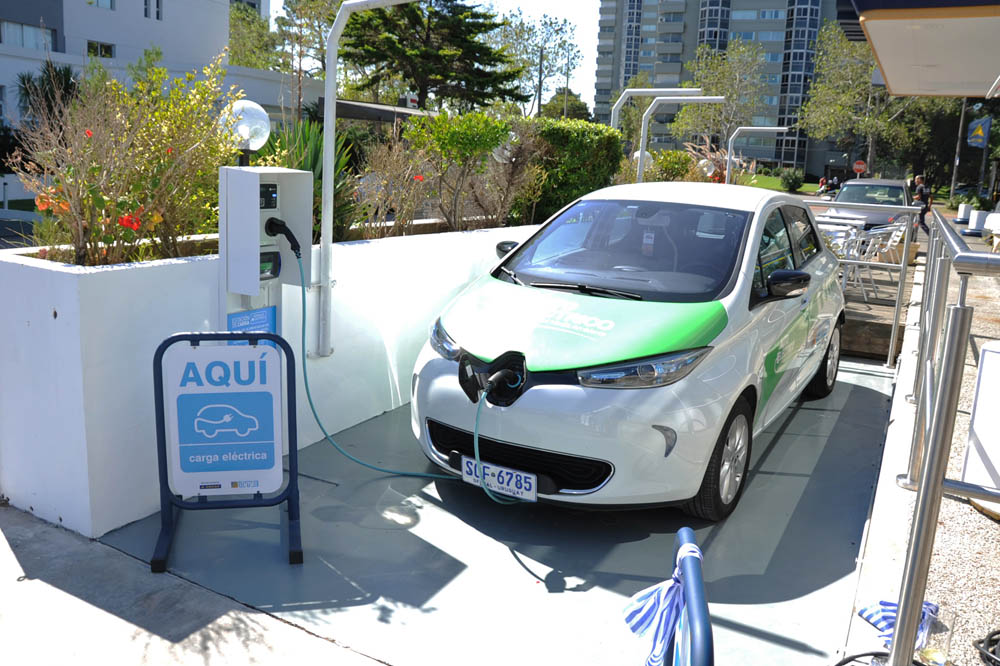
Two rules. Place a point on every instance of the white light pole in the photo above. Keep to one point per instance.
(325, 347)
(747, 130)
(659, 101)
(647, 92)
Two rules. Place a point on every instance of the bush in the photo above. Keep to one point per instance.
(578, 157)
(671, 165)
(457, 149)
(791, 179)
(392, 188)
(512, 176)
(977, 203)
(117, 167)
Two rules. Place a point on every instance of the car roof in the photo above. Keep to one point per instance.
(735, 197)
(873, 181)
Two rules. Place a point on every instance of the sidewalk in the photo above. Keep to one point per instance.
(69, 600)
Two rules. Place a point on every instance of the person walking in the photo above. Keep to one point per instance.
(923, 195)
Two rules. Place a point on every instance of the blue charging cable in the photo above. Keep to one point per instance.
(419, 475)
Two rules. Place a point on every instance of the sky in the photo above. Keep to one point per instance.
(582, 13)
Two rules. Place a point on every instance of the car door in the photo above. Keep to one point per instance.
(781, 335)
(816, 307)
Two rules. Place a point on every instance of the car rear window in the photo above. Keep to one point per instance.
(663, 251)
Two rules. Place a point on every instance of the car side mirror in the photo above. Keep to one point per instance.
(787, 284)
(504, 248)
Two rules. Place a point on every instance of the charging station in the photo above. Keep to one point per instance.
(253, 266)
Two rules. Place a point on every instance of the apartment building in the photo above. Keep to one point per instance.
(659, 36)
(190, 33)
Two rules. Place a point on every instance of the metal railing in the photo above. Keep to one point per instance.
(910, 212)
(699, 622)
(937, 387)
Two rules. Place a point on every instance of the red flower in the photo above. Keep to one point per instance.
(169, 150)
(418, 178)
(129, 221)
(88, 133)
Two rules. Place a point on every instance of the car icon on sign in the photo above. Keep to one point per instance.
(213, 419)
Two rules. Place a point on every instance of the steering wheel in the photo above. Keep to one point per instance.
(628, 269)
(687, 268)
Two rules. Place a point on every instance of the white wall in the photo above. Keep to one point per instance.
(77, 432)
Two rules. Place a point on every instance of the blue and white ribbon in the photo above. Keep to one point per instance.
(660, 606)
(882, 616)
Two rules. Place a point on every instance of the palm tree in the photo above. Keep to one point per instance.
(39, 95)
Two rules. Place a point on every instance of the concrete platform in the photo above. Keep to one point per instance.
(408, 571)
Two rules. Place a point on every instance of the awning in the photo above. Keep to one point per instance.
(368, 111)
(934, 47)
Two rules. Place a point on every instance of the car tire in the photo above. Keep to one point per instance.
(822, 383)
(728, 465)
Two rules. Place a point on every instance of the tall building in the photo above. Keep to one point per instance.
(190, 33)
(659, 36)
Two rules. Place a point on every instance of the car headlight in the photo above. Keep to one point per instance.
(442, 343)
(644, 373)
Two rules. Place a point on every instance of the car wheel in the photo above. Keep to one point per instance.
(726, 475)
(822, 383)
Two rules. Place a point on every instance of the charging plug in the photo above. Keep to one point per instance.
(506, 376)
(274, 226)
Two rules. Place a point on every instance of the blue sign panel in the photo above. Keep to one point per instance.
(979, 132)
(225, 431)
(261, 320)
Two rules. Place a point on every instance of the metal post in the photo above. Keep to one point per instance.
(958, 147)
(944, 277)
(907, 235)
(747, 130)
(928, 504)
(325, 346)
(659, 101)
(926, 306)
(628, 93)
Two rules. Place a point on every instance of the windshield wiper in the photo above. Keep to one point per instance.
(509, 273)
(589, 290)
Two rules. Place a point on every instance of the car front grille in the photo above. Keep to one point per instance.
(569, 473)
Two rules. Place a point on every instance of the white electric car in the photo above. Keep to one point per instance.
(648, 332)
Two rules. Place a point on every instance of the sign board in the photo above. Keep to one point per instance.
(859, 166)
(223, 419)
(979, 132)
(261, 320)
(982, 455)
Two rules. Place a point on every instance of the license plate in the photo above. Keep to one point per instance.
(504, 480)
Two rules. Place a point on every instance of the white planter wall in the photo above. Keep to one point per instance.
(77, 434)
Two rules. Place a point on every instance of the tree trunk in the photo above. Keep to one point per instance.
(541, 60)
(871, 155)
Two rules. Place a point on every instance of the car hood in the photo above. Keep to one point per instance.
(561, 331)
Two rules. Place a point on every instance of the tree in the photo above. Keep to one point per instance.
(631, 114)
(539, 51)
(302, 31)
(437, 47)
(928, 143)
(842, 99)
(39, 95)
(734, 74)
(251, 41)
(565, 99)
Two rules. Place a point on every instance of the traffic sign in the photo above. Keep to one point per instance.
(859, 166)
(224, 428)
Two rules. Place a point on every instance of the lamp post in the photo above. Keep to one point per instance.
(747, 130)
(647, 92)
(325, 347)
(659, 101)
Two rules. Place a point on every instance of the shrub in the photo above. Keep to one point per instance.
(977, 202)
(457, 149)
(671, 164)
(392, 188)
(791, 179)
(579, 157)
(116, 167)
(512, 174)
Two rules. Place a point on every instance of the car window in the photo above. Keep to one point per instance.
(803, 236)
(661, 250)
(775, 251)
(873, 194)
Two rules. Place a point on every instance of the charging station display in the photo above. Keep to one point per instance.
(223, 419)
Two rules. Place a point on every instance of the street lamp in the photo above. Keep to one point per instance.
(325, 347)
(647, 92)
(747, 130)
(659, 101)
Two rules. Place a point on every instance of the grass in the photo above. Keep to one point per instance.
(774, 183)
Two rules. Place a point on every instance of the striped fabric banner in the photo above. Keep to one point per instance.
(882, 616)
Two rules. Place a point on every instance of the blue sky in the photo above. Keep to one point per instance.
(582, 13)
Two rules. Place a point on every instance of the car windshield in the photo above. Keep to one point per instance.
(871, 194)
(659, 251)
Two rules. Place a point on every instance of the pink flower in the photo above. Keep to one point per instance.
(88, 133)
